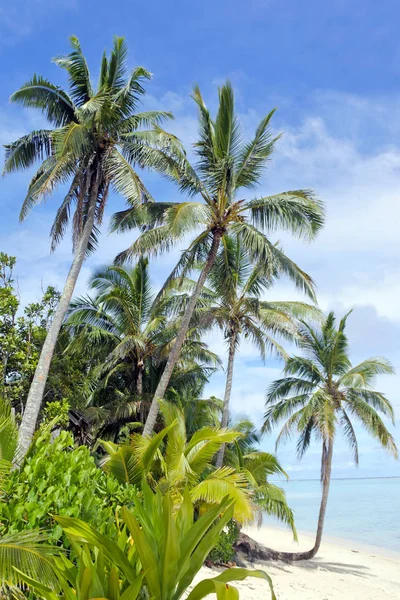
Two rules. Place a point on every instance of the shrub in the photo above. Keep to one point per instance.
(58, 409)
(58, 479)
(223, 552)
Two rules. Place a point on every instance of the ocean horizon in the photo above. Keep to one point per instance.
(364, 510)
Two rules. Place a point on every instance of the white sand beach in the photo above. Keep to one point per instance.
(341, 571)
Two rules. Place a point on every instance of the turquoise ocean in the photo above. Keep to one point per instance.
(365, 511)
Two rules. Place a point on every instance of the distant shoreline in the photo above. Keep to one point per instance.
(343, 478)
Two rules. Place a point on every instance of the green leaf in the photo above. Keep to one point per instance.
(208, 586)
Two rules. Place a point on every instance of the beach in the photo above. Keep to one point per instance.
(340, 571)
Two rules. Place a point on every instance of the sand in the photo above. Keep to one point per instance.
(341, 570)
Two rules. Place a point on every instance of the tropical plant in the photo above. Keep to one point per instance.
(224, 550)
(22, 333)
(28, 550)
(226, 166)
(57, 478)
(125, 329)
(158, 554)
(8, 438)
(97, 138)
(238, 310)
(169, 460)
(321, 394)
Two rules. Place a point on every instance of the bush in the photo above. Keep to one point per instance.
(224, 552)
(58, 479)
(58, 409)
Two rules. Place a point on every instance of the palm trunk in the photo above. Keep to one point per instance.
(255, 551)
(139, 381)
(227, 396)
(139, 390)
(326, 480)
(38, 384)
(176, 350)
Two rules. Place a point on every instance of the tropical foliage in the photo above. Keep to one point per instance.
(57, 478)
(226, 167)
(8, 438)
(322, 393)
(157, 555)
(126, 335)
(171, 461)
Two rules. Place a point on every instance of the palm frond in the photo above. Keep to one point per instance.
(297, 211)
(79, 78)
(27, 552)
(54, 103)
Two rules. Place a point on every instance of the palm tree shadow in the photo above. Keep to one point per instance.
(337, 567)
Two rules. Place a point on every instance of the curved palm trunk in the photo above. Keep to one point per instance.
(327, 454)
(227, 397)
(255, 551)
(180, 338)
(36, 391)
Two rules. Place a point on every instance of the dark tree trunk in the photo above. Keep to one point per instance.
(36, 391)
(180, 338)
(227, 397)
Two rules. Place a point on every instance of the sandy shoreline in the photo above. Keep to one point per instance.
(344, 571)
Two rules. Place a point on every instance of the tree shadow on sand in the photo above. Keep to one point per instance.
(336, 567)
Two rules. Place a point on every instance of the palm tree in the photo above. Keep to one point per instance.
(239, 312)
(320, 394)
(97, 138)
(125, 332)
(226, 166)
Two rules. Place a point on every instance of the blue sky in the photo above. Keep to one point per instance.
(332, 69)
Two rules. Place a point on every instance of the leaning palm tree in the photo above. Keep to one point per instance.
(96, 139)
(240, 313)
(226, 167)
(321, 394)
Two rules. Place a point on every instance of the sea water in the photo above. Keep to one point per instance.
(361, 510)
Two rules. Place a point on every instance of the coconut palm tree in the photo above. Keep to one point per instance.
(226, 167)
(321, 394)
(240, 313)
(125, 330)
(96, 139)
